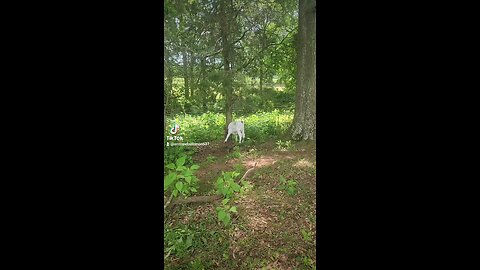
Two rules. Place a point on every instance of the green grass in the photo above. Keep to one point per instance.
(209, 127)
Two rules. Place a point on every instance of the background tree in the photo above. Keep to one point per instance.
(228, 55)
(304, 122)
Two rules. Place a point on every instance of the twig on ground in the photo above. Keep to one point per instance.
(168, 202)
(249, 170)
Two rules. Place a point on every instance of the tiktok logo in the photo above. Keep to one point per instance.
(175, 128)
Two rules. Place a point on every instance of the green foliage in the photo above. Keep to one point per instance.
(178, 241)
(308, 262)
(226, 185)
(181, 179)
(238, 168)
(172, 153)
(210, 126)
(211, 159)
(236, 153)
(246, 186)
(223, 212)
(290, 186)
(307, 236)
(283, 146)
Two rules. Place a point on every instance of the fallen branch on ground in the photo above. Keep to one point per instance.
(196, 199)
(202, 199)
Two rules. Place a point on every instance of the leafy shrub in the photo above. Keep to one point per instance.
(290, 186)
(227, 187)
(223, 212)
(181, 179)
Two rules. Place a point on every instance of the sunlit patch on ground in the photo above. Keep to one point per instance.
(303, 163)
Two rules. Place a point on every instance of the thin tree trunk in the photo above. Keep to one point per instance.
(185, 75)
(202, 86)
(168, 87)
(261, 77)
(227, 56)
(190, 75)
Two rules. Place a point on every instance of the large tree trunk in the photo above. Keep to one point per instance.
(304, 122)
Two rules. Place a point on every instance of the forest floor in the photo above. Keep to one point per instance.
(272, 229)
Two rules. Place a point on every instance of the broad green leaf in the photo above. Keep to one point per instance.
(226, 220)
(175, 193)
(194, 167)
(171, 166)
(222, 215)
(225, 201)
(233, 209)
(167, 182)
(188, 179)
(193, 189)
(179, 186)
(181, 168)
(181, 161)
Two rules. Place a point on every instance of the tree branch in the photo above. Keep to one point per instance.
(264, 49)
(243, 35)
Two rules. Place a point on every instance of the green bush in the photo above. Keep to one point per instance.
(181, 179)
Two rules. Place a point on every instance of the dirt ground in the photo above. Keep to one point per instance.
(272, 229)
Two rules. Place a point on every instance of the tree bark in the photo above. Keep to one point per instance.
(304, 122)
(185, 75)
(168, 86)
(227, 54)
(190, 75)
(202, 86)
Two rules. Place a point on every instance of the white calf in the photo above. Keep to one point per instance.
(236, 127)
